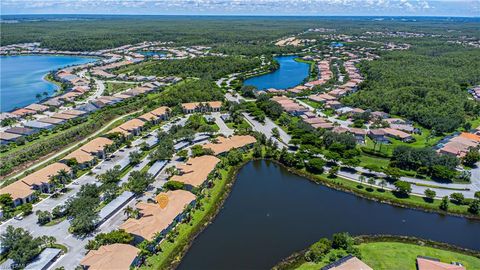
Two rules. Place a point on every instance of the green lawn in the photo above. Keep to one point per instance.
(401, 256)
(112, 88)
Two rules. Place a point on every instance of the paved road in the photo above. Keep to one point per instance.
(76, 145)
(266, 129)
(224, 129)
(343, 123)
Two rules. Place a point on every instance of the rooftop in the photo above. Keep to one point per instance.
(226, 144)
(115, 256)
(43, 175)
(196, 170)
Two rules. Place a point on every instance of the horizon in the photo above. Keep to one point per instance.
(303, 8)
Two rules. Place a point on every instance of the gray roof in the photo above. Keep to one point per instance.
(38, 124)
(112, 206)
(157, 167)
(43, 260)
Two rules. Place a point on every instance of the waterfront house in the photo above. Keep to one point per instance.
(348, 262)
(427, 263)
(37, 107)
(23, 112)
(194, 172)
(115, 256)
(222, 144)
(158, 218)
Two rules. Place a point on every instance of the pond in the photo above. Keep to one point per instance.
(271, 213)
(22, 77)
(290, 73)
(153, 53)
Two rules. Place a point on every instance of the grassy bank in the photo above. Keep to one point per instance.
(172, 252)
(393, 253)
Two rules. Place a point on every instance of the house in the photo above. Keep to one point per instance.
(40, 180)
(97, 147)
(398, 134)
(53, 121)
(348, 262)
(378, 135)
(132, 127)
(6, 137)
(21, 131)
(196, 170)
(426, 263)
(20, 192)
(37, 107)
(38, 125)
(63, 116)
(83, 158)
(210, 106)
(224, 144)
(75, 112)
(359, 134)
(156, 115)
(23, 112)
(55, 102)
(115, 256)
(158, 218)
(333, 104)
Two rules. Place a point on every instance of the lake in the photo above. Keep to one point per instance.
(22, 77)
(291, 73)
(153, 53)
(271, 213)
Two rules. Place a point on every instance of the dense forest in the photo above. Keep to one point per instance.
(242, 35)
(426, 84)
(210, 67)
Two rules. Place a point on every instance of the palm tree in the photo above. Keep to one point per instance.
(63, 176)
(383, 183)
(361, 179)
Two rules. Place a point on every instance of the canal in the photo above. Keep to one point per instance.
(271, 213)
(290, 73)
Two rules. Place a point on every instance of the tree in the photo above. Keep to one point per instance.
(111, 175)
(113, 237)
(164, 151)
(173, 185)
(383, 184)
(234, 157)
(403, 188)
(477, 195)
(342, 241)
(332, 173)
(58, 211)
(257, 151)
(43, 217)
(275, 132)
(444, 203)
(472, 157)
(138, 181)
(372, 181)
(318, 250)
(315, 165)
(362, 179)
(26, 209)
(20, 245)
(6, 201)
(135, 157)
(474, 207)
(183, 154)
(430, 194)
(457, 198)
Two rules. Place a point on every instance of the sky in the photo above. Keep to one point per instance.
(467, 8)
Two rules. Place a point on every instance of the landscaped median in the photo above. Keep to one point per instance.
(381, 252)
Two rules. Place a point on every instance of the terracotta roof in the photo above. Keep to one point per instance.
(430, 264)
(80, 156)
(37, 107)
(226, 144)
(51, 120)
(148, 116)
(396, 133)
(110, 257)
(96, 145)
(348, 263)
(9, 136)
(160, 111)
(470, 136)
(155, 219)
(22, 112)
(132, 124)
(17, 190)
(63, 116)
(74, 112)
(196, 170)
(194, 105)
(43, 175)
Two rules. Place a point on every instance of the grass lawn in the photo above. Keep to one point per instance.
(314, 104)
(402, 256)
(112, 88)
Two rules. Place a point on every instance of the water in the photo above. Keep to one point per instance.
(22, 77)
(271, 213)
(153, 53)
(291, 73)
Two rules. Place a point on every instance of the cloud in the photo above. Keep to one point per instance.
(248, 7)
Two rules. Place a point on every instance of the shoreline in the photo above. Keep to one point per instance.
(172, 263)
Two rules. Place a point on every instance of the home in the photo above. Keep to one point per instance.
(114, 256)
(196, 170)
(130, 128)
(82, 158)
(37, 107)
(222, 144)
(21, 131)
(398, 134)
(37, 125)
(359, 134)
(23, 112)
(378, 135)
(97, 147)
(427, 263)
(210, 106)
(74, 112)
(53, 121)
(63, 116)
(158, 218)
(40, 180)
(20, 192)
(348, 262)
(6, 137)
